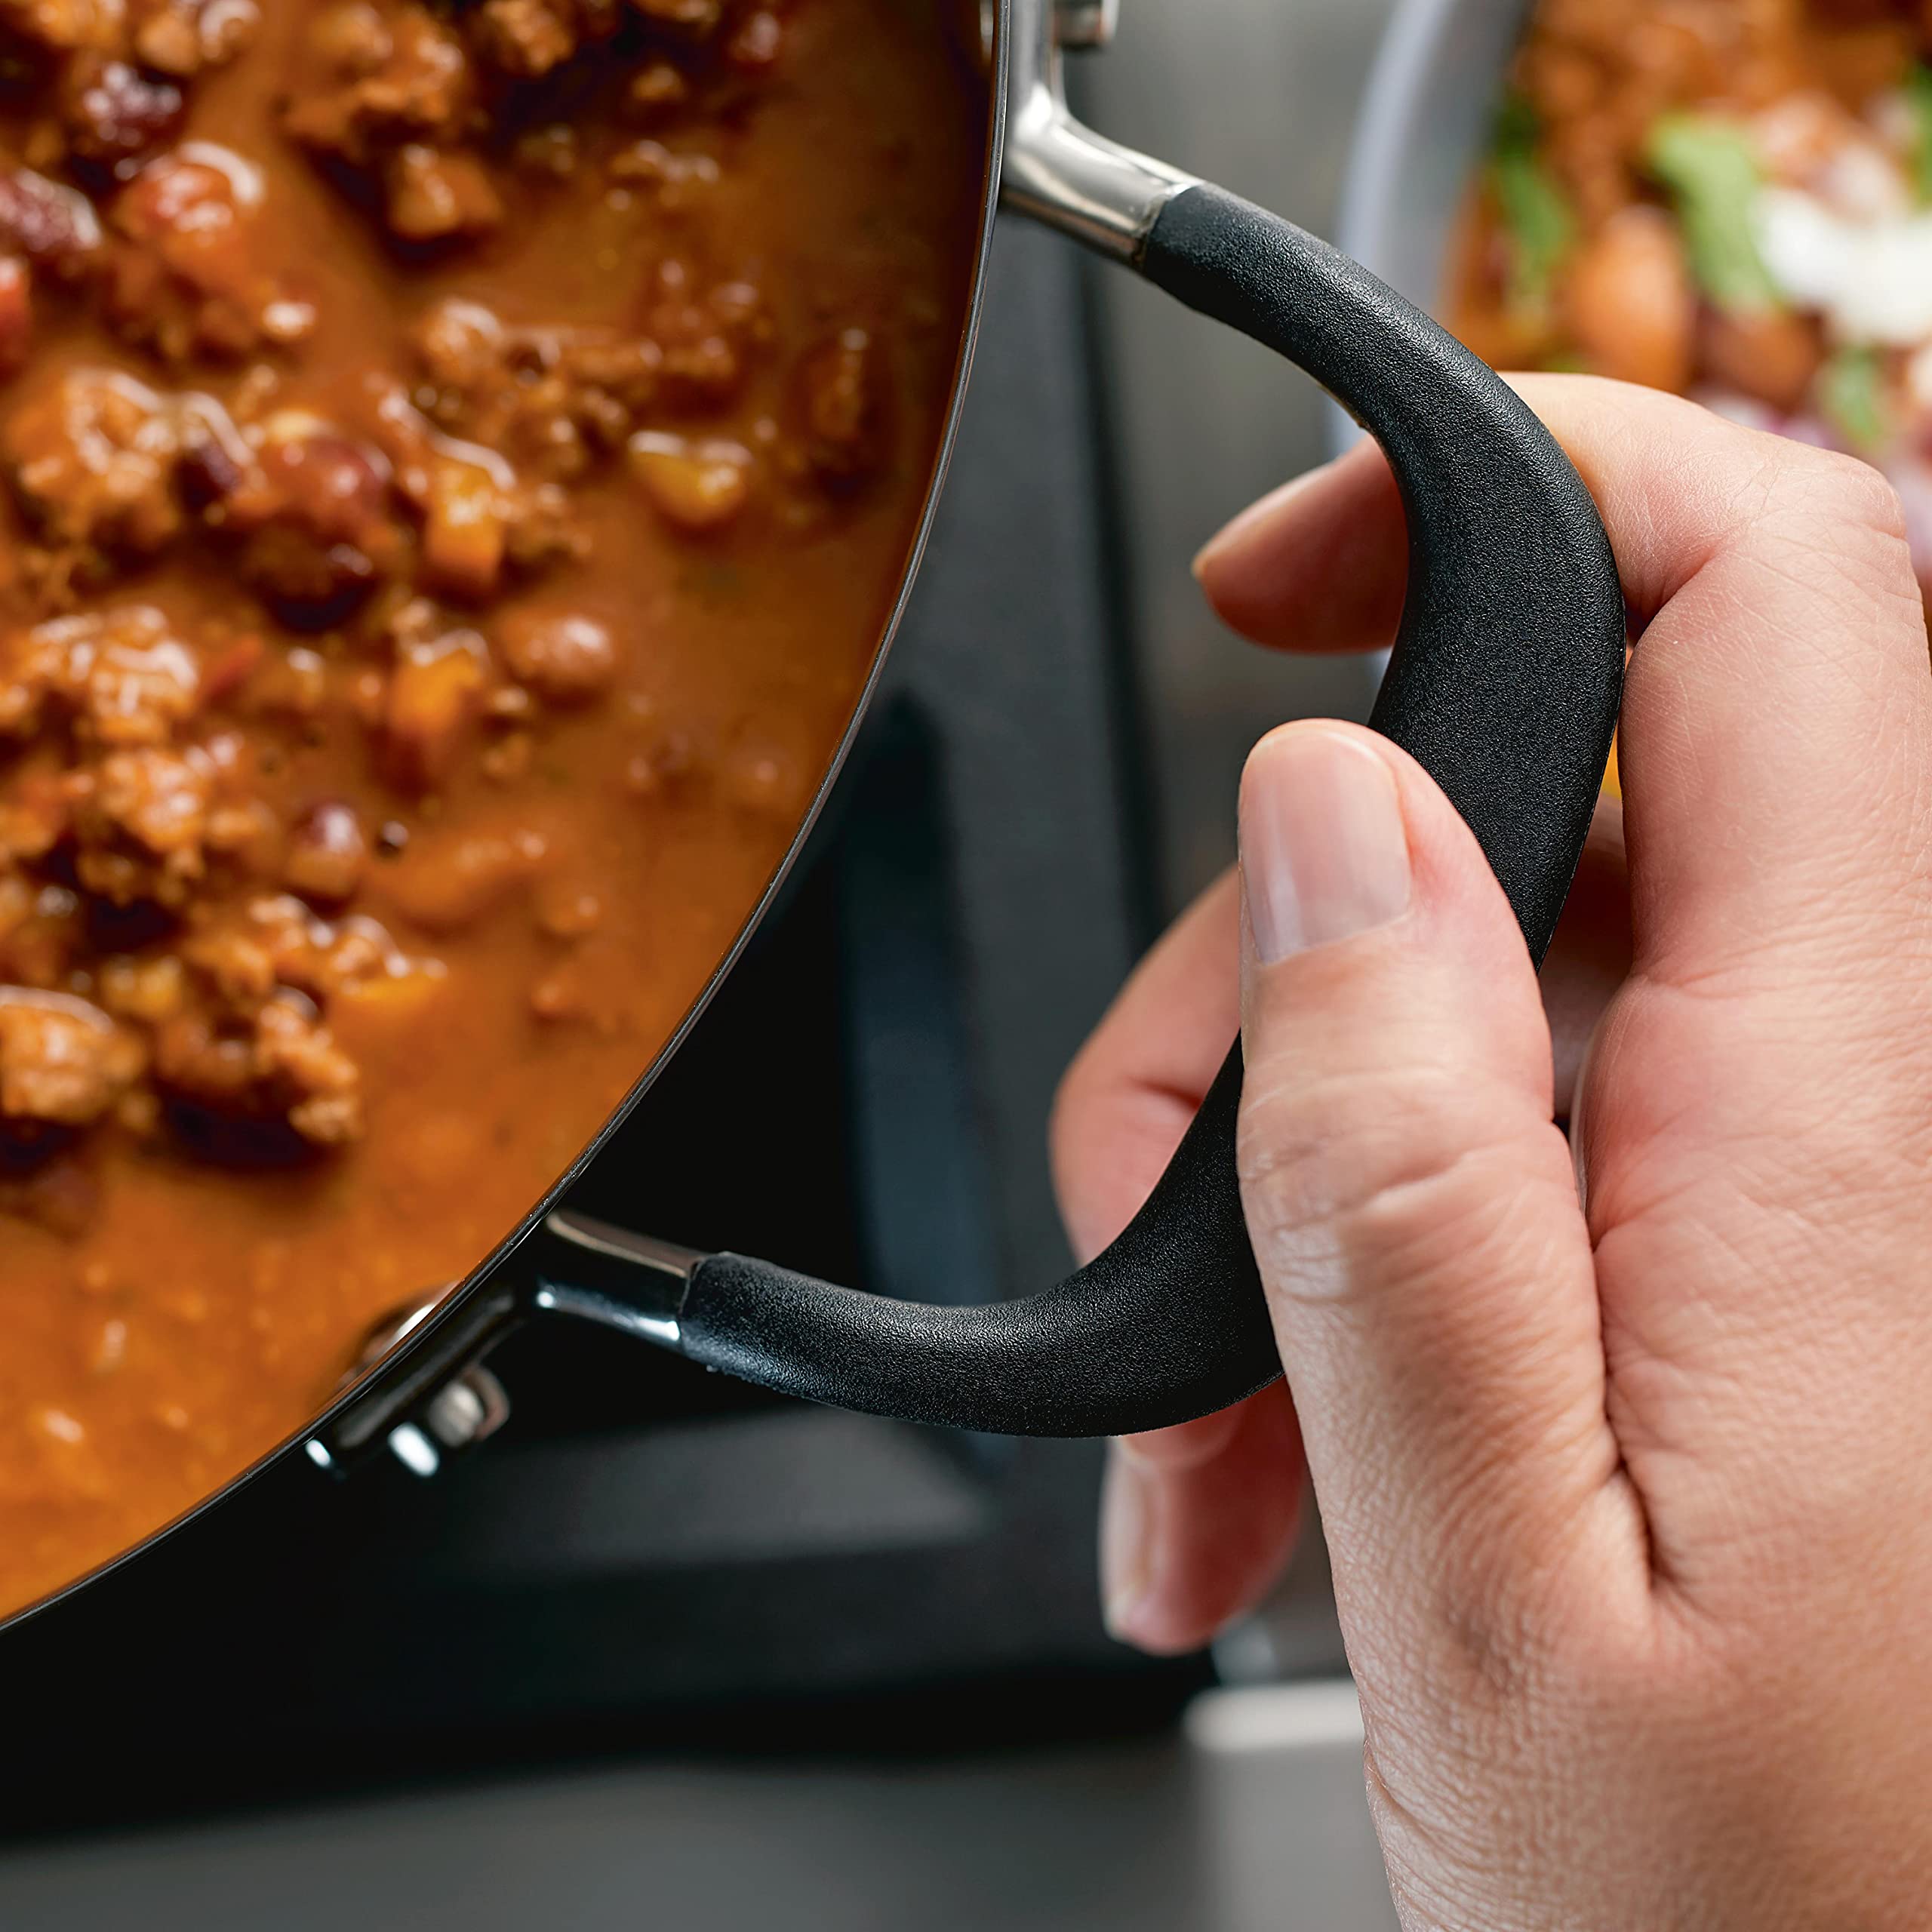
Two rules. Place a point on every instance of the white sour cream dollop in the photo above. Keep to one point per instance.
(1871, 280)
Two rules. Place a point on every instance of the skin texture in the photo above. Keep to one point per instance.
(1618, 1425)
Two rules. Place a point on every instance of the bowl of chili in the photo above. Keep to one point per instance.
(1732, 202)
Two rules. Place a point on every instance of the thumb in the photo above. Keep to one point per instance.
(1413, 1208)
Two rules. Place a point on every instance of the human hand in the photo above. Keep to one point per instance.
(1628, 1502)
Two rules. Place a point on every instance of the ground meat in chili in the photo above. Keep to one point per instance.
(444, 444)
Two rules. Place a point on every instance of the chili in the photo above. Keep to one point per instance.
(460, 458)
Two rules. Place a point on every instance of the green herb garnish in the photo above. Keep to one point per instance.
(1919, 105)
(1708, 165)
(1852, 398)
(1539, 225)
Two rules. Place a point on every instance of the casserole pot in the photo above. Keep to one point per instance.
(1425, 118)
(1505, 684)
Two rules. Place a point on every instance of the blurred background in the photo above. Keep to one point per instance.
(671, 1653)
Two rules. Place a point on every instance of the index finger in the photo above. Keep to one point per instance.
(1198, 1519)
(1127, 1099)
(1777, 706)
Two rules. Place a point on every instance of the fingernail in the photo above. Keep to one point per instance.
(1127, 1542)
(1323, 852)
(1234, 536)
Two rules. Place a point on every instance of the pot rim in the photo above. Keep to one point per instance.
(1431, 87)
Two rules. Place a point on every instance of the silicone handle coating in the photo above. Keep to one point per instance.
(1505, 684)
(1508, 668)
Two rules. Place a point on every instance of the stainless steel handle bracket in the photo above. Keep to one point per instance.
(1056, 169)
(1081, 24)
(443, 1398)
(440, 1398)
(656, 1276)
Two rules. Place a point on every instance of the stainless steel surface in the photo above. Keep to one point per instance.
(558, 1299)
(1286, 1840)
(414, 1450)
(1260, 96)
(469, 1410)
(1254, 1822)
(389, 1331)
(673, 1264)
(1086, 24)
(1058, 171)
(657, 1272)
(1097, 1840)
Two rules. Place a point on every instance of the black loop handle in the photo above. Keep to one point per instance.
(1508, 668)
(1505, 684)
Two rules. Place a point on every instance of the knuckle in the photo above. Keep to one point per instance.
(1389, 1168)
(1848, 493)
(1428, 1219)
(1822, 523)
(1455, 1211)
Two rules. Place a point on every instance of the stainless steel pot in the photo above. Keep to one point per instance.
(1505, 684)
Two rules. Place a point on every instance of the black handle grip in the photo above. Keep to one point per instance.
(1169, 1323)
(1508, 668)
(1505, 684)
